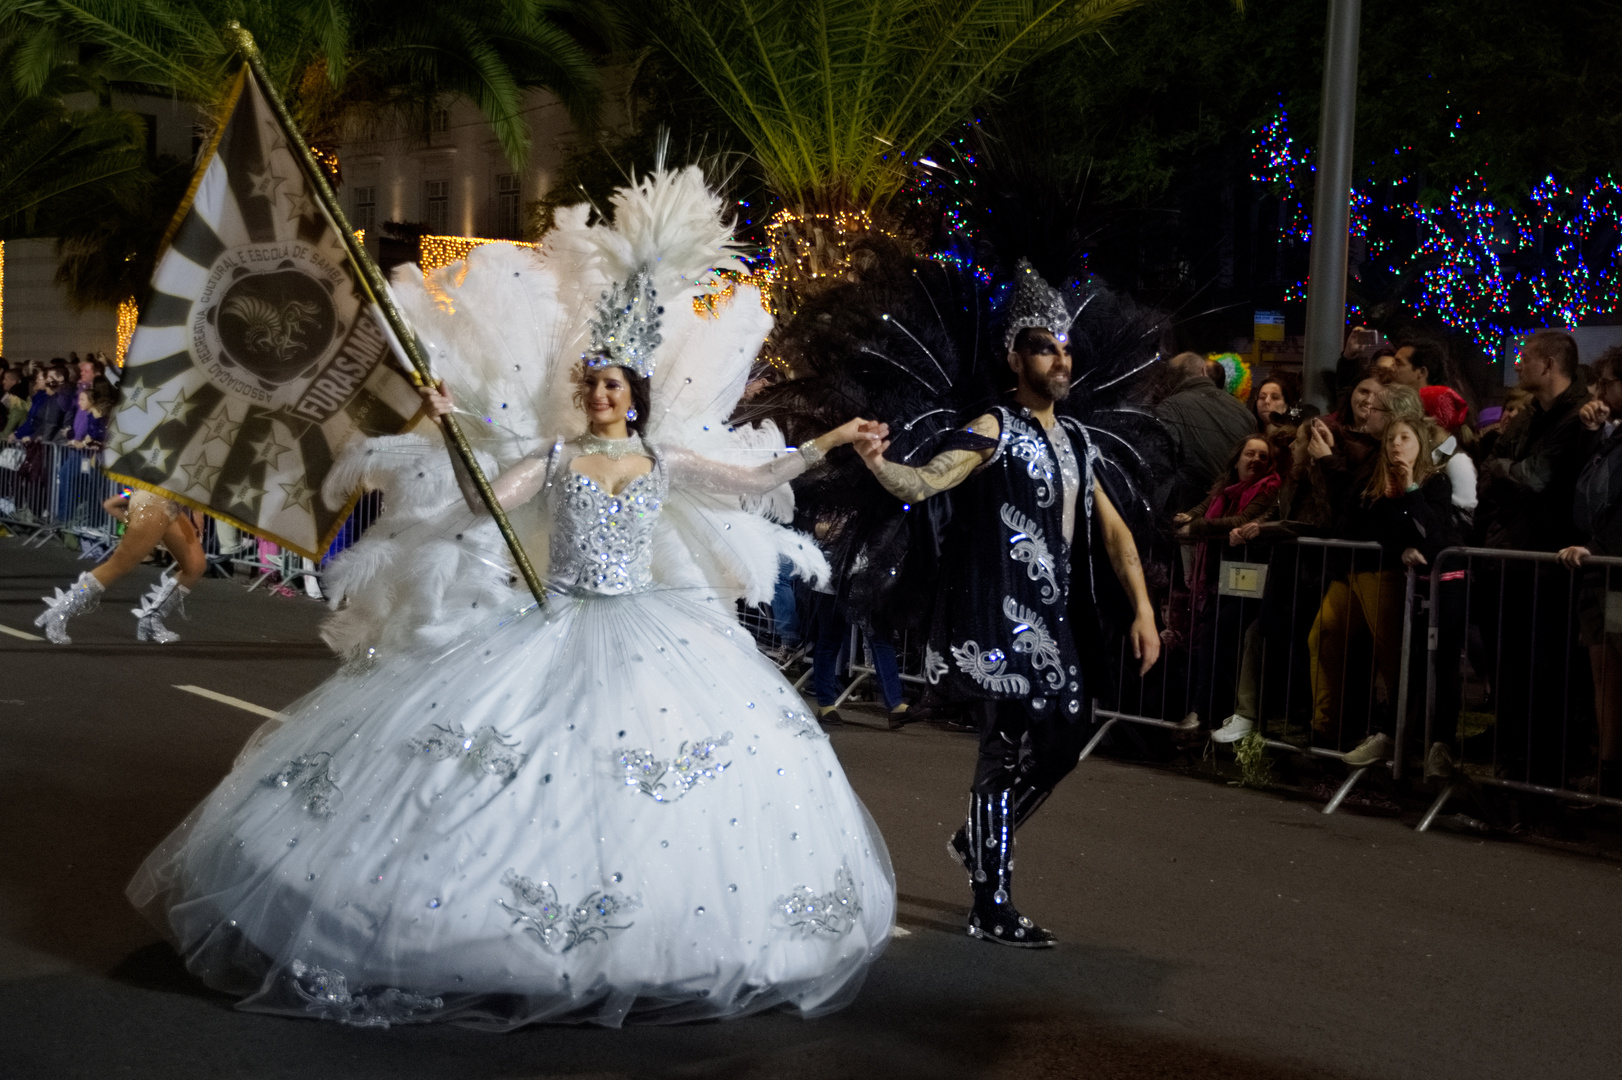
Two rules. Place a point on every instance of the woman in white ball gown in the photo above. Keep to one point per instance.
(609, 808)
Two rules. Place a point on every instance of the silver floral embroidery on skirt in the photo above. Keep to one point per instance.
(535, 907)
(802, 724)
(486, 748)
(934, 665)
(989, 669)
(806, 911)
(311, 775)
(326, 995)
(667, 781)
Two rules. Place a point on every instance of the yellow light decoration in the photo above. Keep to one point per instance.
(725, 286)
(2, 296)
(434, 252)
(360, 236)
(329, 162)
(127, 315)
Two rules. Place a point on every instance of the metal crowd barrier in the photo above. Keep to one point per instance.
(50, 491)
(1524, 675)
(1316, 635)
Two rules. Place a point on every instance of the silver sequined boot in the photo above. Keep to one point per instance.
(991, 840)
(82, 597)
(160, 600)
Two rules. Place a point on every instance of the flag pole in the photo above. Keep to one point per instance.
(377, 291)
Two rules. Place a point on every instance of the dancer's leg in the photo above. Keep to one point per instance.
(174, 586)
(990, 831)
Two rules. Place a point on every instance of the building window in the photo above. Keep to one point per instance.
(437, 195)
(507, 225)
(439, 120)
(365, 208)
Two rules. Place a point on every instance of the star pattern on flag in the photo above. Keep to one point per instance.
(121, 441)
(156, 457)
(197, 473)
(270, 449)
(263, 184)
(298, 493)
(220, 428)
(299, 204)
(244, 492)
(136, 397)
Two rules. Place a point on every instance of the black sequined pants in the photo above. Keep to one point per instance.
(1027, 751)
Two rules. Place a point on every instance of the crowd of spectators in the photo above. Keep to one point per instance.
(1316, 637)
(61, 400)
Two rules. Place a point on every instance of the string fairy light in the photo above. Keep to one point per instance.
(1478, 263)
(434, 252)
(127, 316)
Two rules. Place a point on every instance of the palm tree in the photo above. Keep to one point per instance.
(333, 58)
(839, 98)
(60, 164)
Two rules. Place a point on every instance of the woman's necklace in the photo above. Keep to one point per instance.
(612, 449)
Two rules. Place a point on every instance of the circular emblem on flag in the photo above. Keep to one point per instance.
(267, 318)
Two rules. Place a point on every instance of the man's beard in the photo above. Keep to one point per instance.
(1055, 385)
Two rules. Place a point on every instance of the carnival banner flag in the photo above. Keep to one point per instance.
(259, 354)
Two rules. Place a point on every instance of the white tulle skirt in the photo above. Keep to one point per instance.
(610, 810)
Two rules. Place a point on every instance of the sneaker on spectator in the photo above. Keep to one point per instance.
(1233, 729)
(1371, 751)
(1191, 722)
(1438, 762)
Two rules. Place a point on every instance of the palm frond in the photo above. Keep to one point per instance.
(838, 96)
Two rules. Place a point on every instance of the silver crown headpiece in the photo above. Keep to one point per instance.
(625, 331)
(1037, 304)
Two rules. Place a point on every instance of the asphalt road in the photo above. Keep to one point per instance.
(1206, 931)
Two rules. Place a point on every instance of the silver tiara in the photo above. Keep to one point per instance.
(1035, 304)
(625, 331)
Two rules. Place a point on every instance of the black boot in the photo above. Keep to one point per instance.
(1026, 801)
(991, 838)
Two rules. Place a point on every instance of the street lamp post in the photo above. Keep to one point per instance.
(1331, 209)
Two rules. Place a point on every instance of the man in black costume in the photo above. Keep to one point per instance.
(1005, 625)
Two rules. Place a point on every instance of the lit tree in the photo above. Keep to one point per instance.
(839, 98)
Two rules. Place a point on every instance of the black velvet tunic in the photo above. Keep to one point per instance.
(1002, 626)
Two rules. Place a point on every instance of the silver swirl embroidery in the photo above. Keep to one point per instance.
(486, 748)
(1028, 546)
(1031, 637)
(667, 781)
(535, 907)
(802, 724)
(311, 775)
(807, 912)
(989, 669)
(1033, 451)
(326, 995)
(934, 665)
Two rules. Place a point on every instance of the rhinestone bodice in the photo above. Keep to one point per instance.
(602, 542)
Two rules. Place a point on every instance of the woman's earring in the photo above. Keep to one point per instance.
(630, 414)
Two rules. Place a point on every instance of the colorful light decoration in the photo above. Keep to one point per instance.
(127, 316)
(1480, 265)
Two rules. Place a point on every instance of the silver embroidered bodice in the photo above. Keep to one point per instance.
(602, 542)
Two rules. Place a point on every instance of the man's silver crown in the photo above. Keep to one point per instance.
(1035, 304)
(625, 331)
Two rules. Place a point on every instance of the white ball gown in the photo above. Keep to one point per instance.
(611, 808)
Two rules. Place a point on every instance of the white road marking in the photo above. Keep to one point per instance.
(25, 635)
(227, 699)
